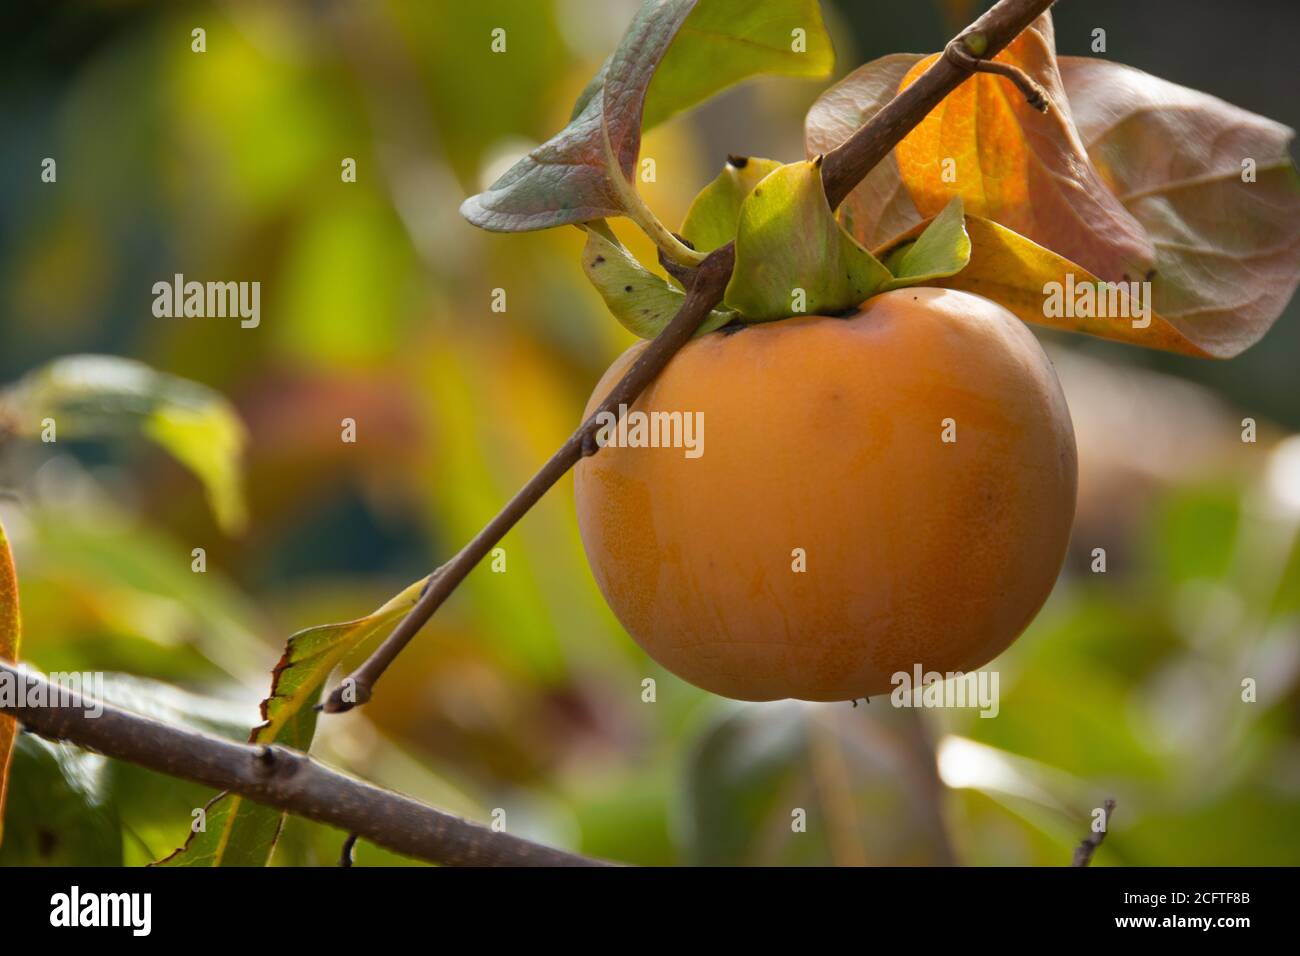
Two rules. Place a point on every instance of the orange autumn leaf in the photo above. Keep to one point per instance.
(879, 208)
(1212, 186)
(1027, 170)
(10, 629)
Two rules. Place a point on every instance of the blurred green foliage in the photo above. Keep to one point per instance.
(524, 693)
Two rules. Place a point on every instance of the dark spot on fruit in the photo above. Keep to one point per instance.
(738, 162)
(627, 288)
(758, 192)
(598, 260)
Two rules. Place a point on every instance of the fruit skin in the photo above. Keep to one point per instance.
(824, 434)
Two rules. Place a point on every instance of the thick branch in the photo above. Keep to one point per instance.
(276, 776)
(842, 169)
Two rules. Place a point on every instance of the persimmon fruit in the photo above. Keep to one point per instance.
(874, 492)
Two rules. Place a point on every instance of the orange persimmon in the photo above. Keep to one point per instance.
(872, 492)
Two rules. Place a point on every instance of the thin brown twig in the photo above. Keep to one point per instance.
(1034, 94)
(843, 168)
(274, 776)
(1084, 851)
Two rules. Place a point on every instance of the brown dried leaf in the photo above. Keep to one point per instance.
(1227, 251)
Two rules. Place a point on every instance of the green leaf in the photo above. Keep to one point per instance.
(308, 660)
(242, 833)
(209, 441)
(791, 252)
(237, 833)
(99, 396)
(10, 632)
(68, 818)
(725, 41)
(125, 601)
(642, 302)
(586, 171)
(166, 703)
(941, 250)
(715, 213)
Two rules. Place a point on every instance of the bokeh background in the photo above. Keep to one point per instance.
(524, 693)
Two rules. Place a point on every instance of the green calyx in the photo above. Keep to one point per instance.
(792, 255)
(941, 250)
(714, 216)
(642, 301)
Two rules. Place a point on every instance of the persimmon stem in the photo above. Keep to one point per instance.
(842, 169)
(669, 245)
(635, 208)
(959, 52)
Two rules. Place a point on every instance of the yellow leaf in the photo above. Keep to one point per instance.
(240, 832)
(1026, 278)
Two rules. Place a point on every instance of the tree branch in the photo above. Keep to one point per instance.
(275, 776)
(842, 169)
